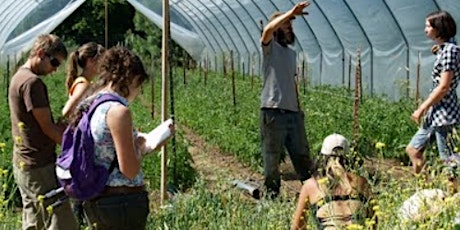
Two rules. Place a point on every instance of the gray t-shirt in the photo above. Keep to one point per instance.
(279, 69)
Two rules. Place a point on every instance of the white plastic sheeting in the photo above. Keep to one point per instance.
(389, 33)
(22, 21)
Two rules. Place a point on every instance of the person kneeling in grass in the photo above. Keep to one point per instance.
(337, 198)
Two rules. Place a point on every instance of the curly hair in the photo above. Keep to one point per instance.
(120, 66)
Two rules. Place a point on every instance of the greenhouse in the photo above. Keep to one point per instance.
(388, 33)
(362, 88)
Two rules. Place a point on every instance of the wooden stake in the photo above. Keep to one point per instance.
(106, 12)
(233, 78)
(417, 89)
(206, 70)
(164, 98)
(357, 101)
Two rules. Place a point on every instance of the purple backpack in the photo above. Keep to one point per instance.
(76, 169)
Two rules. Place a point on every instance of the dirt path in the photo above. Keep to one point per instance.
(215, 166)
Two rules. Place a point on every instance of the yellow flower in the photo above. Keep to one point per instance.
(324, 180)
(40, 198)
(355, 227)
(2, 145)
(320, 203)
(18, 140)
(4, 172)
(369, 223)
(379, 145)
(376, 208)
(49, 209)
(22, 164)
(21, 125)
(456, 149)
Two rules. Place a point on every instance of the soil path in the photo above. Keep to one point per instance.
(215, 166)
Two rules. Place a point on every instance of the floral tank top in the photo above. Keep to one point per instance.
(104, 145)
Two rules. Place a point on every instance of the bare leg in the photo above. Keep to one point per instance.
(416, 158)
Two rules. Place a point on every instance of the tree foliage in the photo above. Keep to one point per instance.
(87, 23)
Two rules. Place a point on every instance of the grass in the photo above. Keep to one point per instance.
(207, 108)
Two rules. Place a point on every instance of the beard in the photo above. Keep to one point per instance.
(284, 38)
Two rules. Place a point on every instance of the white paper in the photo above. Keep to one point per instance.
(157, 135)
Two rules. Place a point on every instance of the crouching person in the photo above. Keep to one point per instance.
(337, 198)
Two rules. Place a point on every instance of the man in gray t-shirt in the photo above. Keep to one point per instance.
(281, 120)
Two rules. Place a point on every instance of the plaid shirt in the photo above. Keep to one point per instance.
(446, 111)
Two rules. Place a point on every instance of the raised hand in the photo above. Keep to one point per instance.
(298, 8)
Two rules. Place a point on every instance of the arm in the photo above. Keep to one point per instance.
(77, 96)
(438, 93)
(271, 27)
(299, 221)
(43, 117)
(120, 124)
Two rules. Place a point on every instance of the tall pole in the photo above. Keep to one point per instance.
(106, 11)
(164, 98)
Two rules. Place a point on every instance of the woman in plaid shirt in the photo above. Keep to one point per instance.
(441, 111)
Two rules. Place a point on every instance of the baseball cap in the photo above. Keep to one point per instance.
(333, 141)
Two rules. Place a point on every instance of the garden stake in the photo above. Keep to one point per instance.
(303, 77)
(349, 72)
(417, 87)
(164, 92)
(185, 65)
(152, 91)
(233, 78)
(243, 72)
(251, 60)
(7, 76)
(206, 70)
(357, 101)
(224, 67)
(215, 64)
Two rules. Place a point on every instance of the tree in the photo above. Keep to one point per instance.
(87, 23)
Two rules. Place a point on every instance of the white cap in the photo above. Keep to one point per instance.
(333, 141)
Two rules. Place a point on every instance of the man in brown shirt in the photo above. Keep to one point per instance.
(35, 136)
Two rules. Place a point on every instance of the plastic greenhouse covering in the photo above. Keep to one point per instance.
(389, 34)
(22, 21)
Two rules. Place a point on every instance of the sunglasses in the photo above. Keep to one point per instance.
(53, 61)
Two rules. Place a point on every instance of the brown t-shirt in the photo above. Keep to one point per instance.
(31, 146)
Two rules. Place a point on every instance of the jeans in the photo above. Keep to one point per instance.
(284, 129)
(118, 212)
(39, 181)
(425, 135)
